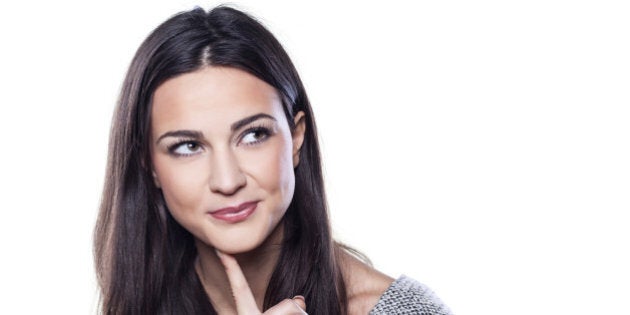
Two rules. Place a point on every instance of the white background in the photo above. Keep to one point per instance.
(481, 147)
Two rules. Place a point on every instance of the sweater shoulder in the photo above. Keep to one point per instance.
(408, 296)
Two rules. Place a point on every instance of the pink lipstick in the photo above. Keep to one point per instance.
(235, 214)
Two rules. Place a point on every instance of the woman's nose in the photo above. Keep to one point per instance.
(226, 176)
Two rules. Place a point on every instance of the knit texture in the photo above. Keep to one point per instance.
(406, 296)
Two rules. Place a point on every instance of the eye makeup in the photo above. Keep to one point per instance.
(253, 135)
(257, 134)
(184, 147)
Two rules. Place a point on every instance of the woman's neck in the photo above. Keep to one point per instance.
(257, 266)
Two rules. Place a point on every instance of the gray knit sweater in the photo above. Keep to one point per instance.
(406, 296)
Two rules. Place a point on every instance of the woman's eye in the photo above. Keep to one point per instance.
(254, 136)
(186, 148)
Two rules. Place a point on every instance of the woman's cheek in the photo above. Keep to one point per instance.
(275, 170)
(183, 186)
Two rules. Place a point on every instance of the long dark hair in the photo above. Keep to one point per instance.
(144, 258)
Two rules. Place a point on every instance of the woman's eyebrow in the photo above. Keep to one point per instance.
(192, 134)
(239, 124)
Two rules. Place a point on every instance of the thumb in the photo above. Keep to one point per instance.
(299, 300)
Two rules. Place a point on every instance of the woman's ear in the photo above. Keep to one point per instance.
(298, 136)
(156, 181)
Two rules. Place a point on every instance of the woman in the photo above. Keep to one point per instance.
(214, 199)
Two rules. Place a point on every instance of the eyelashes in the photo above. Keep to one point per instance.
(255, 135)
(184, 147)
(252, 136)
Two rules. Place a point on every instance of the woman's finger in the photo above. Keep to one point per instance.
(243, 296)
(299, 300)
(293, 306)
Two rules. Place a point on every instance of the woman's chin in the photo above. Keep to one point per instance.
(235, 249)
(230, 246)
(243, 243)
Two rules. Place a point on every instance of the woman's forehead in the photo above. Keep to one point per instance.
(212, 95)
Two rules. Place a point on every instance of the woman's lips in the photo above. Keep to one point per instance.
(235, 214)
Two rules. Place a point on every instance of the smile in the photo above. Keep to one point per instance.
(235, 214)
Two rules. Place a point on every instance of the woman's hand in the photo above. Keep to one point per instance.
(244, 298)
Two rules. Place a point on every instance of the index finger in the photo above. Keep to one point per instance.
(243, 296)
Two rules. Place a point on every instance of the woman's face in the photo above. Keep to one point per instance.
(224, 156)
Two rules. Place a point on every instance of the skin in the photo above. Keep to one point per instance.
(216, 164)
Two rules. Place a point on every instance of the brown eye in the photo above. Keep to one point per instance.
(186, 148)
(255, 135)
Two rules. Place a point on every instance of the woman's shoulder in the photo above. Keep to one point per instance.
(364, 284)
(408, 296)
(372, 292)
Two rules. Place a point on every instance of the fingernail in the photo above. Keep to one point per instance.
(299, 297)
